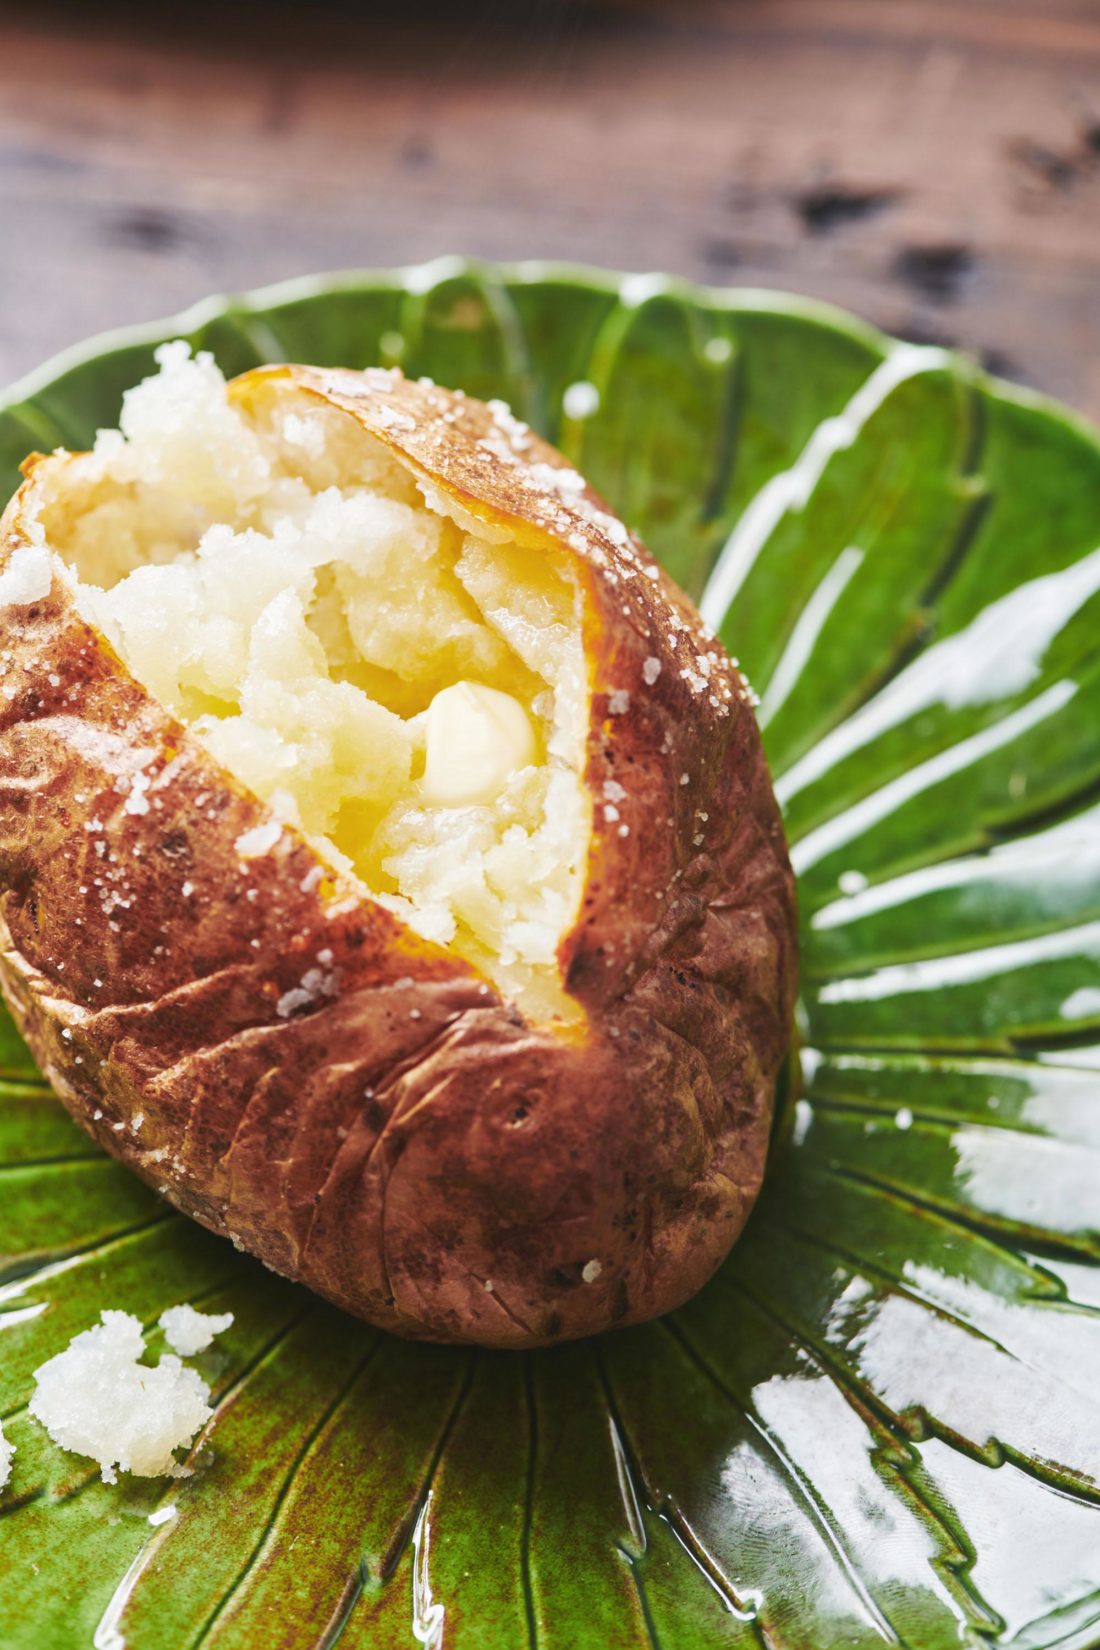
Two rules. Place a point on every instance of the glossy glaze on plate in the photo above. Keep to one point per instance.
(878, 1425)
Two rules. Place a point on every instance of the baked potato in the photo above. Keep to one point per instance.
(389, 867)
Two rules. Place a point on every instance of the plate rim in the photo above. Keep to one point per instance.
(631, 288)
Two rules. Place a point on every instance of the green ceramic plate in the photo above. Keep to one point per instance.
(879, 1424)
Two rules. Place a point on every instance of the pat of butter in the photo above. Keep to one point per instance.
(476, 738)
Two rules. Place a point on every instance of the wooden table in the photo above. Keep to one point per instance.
(932, 164)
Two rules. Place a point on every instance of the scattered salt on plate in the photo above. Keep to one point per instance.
(6, 1452)
(97, 1398)
(188, 1331)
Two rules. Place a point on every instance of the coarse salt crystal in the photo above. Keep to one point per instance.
(7, 1450)
(188, 1331)
(291, 1001)
(259, 840)
(28, 576)
(581, 399)
(137, 802)
(98, 1398)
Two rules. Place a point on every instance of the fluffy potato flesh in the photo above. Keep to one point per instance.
(408, 691)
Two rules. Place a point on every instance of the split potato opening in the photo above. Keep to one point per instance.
(405, 686)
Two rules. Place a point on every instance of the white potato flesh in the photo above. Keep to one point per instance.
(409, 694)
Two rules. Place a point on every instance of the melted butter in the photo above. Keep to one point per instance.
(476, 739)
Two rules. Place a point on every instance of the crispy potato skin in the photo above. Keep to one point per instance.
(410, 1146)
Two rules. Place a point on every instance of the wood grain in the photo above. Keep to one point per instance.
(932, 165)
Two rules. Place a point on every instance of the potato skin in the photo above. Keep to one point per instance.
(408, 1145)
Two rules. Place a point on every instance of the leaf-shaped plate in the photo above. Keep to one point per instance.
(878, 1425)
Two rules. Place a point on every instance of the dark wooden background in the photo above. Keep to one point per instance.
(932, 164)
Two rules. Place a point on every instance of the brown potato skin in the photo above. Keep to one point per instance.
(411, 1147)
